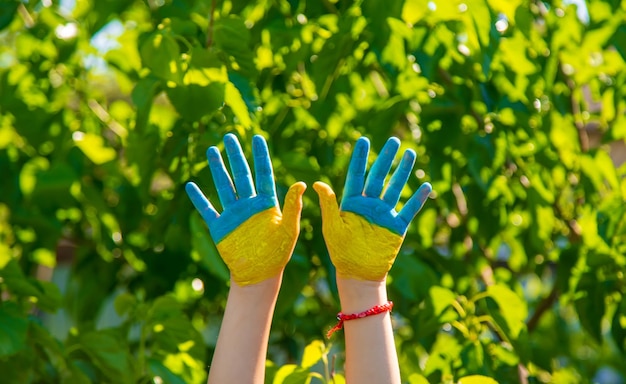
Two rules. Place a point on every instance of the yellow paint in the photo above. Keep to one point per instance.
(258, 249)
(262, 245)
(359, 249)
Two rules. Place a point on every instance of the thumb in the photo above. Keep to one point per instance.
(293, 206)
(328, 201)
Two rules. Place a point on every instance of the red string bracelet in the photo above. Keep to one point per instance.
(375, 310)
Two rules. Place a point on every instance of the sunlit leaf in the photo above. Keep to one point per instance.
(204, 251)
(94, 148)
(416, 378)
(512, 308)
(233, 99)
(477, 379)
(414, 10)
(312, 353)
(161, 54)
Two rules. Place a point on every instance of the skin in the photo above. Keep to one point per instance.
(241, 347)
(371, 355)
(363, 237)
(256, 240)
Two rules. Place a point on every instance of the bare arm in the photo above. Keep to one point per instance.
(363, 237)
(370, 351)
(255, 240)
(242, 343)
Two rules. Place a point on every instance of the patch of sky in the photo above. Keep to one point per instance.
(581, 10)
(104, 40)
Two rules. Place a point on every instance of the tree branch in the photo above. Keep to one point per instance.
(209, 35)
(543, 306)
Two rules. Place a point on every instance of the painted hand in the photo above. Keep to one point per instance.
(364, 235)
(254, 238)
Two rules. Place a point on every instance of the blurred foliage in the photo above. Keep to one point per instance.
(514, 270)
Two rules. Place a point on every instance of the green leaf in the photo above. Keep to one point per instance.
(50, 297)
(477, 379)
(13, 330)
(156, 368)
(7, 13)
(16, 282)
(109, 355)
(414, 10)
(47, 294)
(124, 303)
(298, 377)
(412, 277)
(291, 374)
(204, 251)
(442, 355)
(44, 257)
(283, 372)
(163, 308)
(618, 325)
(55, 181)
(94, 148)
(507, 7)
(200, 95)
(590, 304)
(512, 308)
(203, 90)
(416, 378)
(234, 100)
(160, 53)
(619, 41)
(142, 95)
(29, 172)
(441, 298)
(232, 36)
(473, 357)
(313, 353)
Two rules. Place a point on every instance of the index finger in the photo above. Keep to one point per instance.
(356, 170)
(202, 204)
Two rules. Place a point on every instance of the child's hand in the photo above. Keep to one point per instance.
(253, 237)
(364, 235)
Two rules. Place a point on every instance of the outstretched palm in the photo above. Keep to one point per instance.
(253, 236)
(240, 201)
(364, 235)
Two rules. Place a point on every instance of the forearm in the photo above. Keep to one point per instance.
(242, 342)
(370, 350)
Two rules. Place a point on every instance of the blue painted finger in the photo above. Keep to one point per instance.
(202, 204)
(223, 183)
(356, 170)
(415, 203)
(239, 167)
(263, 167)
(399, 178)
(381, 167)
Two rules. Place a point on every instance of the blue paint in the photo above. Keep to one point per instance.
(363, 195)
(239, 199)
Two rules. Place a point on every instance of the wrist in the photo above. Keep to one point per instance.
(259, 292)
(359, 295)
